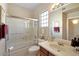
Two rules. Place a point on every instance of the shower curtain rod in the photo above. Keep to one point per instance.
(23, 18)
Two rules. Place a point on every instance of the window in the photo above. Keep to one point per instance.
(44, 19)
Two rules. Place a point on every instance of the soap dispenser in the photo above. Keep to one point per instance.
(77, 45)
(78, 42)
(74, 42)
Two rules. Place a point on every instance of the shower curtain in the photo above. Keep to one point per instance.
(21, 35)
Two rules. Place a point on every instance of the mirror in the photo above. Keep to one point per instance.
(66, 22)
(73, 28)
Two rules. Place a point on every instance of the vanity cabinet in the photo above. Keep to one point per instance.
(44, 52)
(0, 14)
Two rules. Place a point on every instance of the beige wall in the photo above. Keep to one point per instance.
(42, 8)
(76, 29)
(71, 7)
(64, 22)
(73, 15)
(15, 10)
(70, 30)
(2, 20)
(3, 12)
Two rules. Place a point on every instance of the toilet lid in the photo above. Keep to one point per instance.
(34, 48)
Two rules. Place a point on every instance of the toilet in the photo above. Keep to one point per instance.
(33, 50)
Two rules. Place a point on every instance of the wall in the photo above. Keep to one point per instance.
(2, 20)
(71, 7)
(15, 10)
(70, 30)
(76, 29)
(73, 15)
(3, 12)
(40, 9)
(64, 22)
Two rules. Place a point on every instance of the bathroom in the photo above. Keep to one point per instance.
(31, 29)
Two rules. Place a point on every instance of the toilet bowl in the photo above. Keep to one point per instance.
(33, 50)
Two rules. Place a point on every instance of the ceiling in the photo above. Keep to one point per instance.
(30, 6)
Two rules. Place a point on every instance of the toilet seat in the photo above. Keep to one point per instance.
(34, 48)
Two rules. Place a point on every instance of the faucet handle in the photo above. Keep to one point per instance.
(9, 50)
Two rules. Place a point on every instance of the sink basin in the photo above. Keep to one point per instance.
(55, 46)
(59, 47)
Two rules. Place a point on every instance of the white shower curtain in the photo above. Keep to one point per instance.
(21, 35)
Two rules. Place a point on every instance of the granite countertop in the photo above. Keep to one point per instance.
(58, 50)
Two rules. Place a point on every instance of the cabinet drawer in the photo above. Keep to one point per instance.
(51, 54)
(42, 54)
(44, 51)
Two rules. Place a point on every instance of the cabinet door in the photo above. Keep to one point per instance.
(44, 51)
(42, 54)
(51, 54)
(0, 14)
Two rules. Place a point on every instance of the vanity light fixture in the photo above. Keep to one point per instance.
(75, 21)
(55, 4)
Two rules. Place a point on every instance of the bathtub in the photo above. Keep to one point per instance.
(20, 48)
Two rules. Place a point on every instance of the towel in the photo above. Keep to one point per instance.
(3, 30)
(56, 29)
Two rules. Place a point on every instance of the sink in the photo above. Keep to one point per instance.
(59, 47)
(63, 49)
(55, 46)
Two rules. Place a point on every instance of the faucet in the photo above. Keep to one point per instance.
(42, 37)
(61, 43)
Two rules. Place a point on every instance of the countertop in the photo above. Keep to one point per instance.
(65, 50)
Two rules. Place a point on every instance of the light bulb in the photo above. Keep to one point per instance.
(75, 21)
(55, 4)
(56, 24)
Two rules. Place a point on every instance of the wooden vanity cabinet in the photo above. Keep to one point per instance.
(44, 52)
(0, 15)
